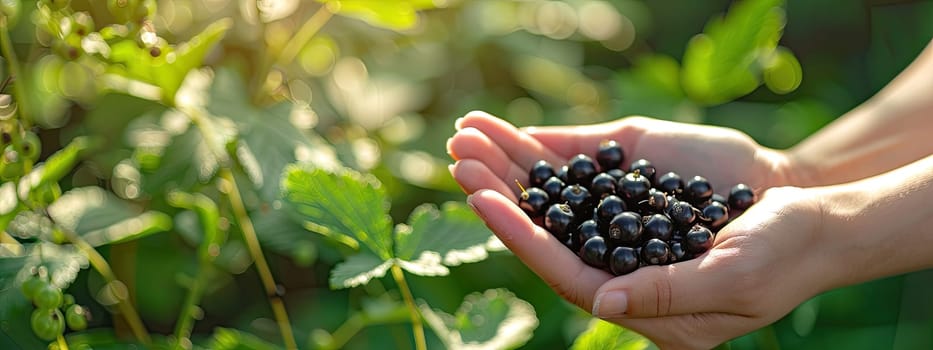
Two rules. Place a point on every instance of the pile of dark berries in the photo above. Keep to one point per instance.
(620, 219)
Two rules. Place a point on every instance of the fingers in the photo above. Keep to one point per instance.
(473, 175)
(470, 143)
(549, 259)
(693, 331)
(523, 149)
(683, 288)
(568, 141)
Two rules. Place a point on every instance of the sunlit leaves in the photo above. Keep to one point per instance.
(727, 60)
(232, 339)
(102, 218)
(494, 319)
(451, 236)
(395, 15)
(602, 335)
(357, 270)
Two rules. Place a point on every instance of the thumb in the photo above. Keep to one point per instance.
(654, 291)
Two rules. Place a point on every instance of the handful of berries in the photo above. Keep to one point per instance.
(620, 220)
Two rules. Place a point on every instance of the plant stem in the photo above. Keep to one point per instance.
(358, 321)
(62, 344)
(6, 45)
(100, 264)
(186, 318)
(252, 244)
(417, 328)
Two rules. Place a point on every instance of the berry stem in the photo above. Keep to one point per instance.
(520, 186)
(100, 264)
(6, 45)
(416, 325)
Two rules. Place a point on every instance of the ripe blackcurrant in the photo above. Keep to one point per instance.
(622, 261)
(609, 155)
(655, 252)
(719, 199)
(593, 252)
(534, 201)
(588, 229)
(633, 188)
(578, 198)
(557, 221)
(670, 183)
(658, 226)
(678, 253)
(581, 170)
(552, 187)
(625, 228)
(682, 214)
(698, 190)
(698, 240)
(655, 203)
(539, 173)
(616, 173)
(741, 197)
(715, 215)
(607, 209)
(645, 168)
(603, 185)
(561, 174)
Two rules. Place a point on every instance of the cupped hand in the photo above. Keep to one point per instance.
(755, 273)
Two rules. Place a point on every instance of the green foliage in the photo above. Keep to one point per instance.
(232, 339)
(494, 319)
(395, 15)
(602, 335)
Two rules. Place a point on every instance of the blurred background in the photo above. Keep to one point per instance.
(384, 88)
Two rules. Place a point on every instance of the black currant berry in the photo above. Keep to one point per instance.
(682, 214)
(633, 188)
(719, 199)
(552, 187)
(577, 197)
(588, 229)
(607, 209)
(658, 226)
(603, 185)
(670, 183)
(534, 201)
(593, 252)
(622, 261)
(616, 173)
(625, 228)
(698, 190)
(562, 174)
(609, 155)
(741, 197)
(715, 215)
(539, 173)
(678, 253)
(645, 168)
(581, 170)
(655, 203)
(557, 221)
(655, 252)
(698, 240)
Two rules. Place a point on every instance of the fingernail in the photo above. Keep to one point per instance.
(476, 210)
(610, 304)
(458, 123)
(447, 147)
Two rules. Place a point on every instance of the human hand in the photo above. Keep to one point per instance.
(744, 282)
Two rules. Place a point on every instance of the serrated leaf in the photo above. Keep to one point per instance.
(395, 15)
(724, 62)
(267, 139)
(436, 238)
(358, 270)
(494, 319)
(233, 339)
(278, 232)
(343, 204)
(602, 335)
(62, 262)
(102, 218)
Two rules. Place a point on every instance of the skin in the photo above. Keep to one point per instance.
(830, 211)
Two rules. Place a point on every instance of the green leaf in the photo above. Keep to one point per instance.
(278, 232)
(724, 62)
(494, 319)
(394, 15)
(447, 237)
(344, 204)
(357, 270)
(54, 168)
(9, 204)
(602, 335)
(168, 70)
(101, 218)
(233, 339)
(267, 139)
